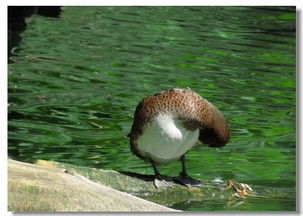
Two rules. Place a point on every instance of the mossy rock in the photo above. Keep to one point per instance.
(54, 186)
(142, 186)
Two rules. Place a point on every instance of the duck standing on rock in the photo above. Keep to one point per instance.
(168, 124)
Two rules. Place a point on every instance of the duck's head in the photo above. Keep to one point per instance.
(217, 133)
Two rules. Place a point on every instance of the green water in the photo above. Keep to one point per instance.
(76, 80)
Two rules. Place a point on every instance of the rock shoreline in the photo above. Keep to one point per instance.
(34, 187)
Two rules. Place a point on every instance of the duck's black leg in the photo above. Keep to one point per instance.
(183, 177)
(161, 180)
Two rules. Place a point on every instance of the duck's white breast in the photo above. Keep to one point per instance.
(165, 139)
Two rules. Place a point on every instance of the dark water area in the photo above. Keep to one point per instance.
(75, 82)
(16, 22)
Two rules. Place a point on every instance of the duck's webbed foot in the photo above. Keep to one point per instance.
(162, 181)
(184, 178)
(187, 180)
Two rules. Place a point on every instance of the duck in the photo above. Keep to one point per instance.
(168, 124)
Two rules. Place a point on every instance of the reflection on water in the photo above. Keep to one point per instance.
(76, 82)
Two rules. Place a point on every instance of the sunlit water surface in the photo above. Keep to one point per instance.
(77, 79)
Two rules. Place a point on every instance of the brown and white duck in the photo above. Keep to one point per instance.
(168, 124)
